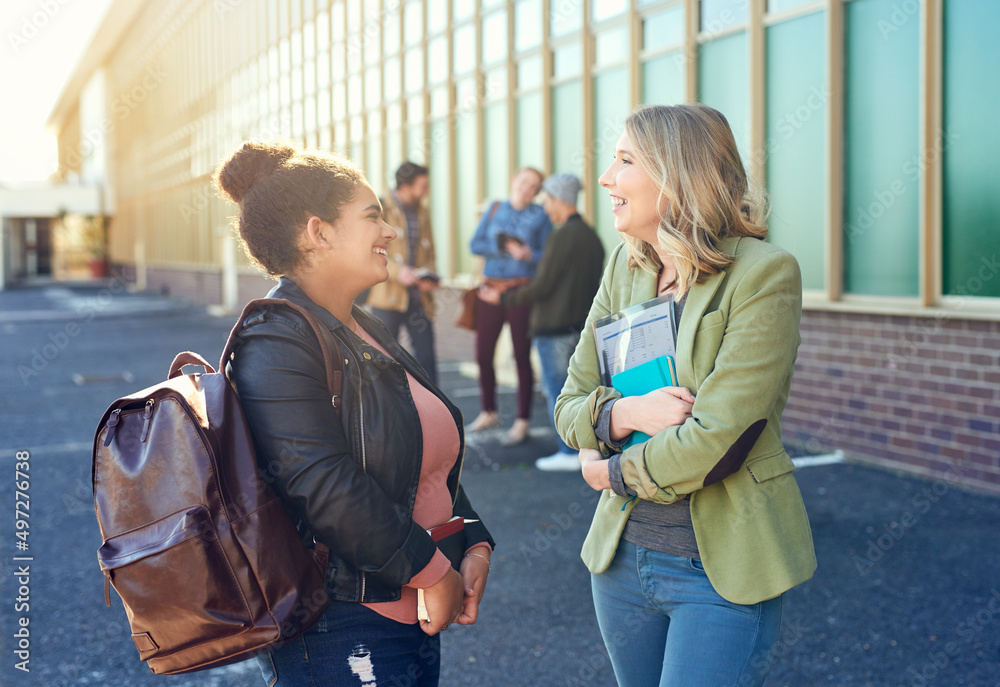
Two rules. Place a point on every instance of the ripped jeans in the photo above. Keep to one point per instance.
(354, 645)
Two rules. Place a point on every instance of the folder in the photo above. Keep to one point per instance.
(641, 379)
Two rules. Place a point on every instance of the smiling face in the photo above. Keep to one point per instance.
(635, 197)
(360, 241)
(524, 187)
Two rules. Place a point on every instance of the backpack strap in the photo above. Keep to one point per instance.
(328, 345)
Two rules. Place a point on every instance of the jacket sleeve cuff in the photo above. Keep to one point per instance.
(432, 573)
(618, 485)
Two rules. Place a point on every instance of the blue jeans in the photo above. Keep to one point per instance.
(554, 353)
(664, 624)
(354, 645)
(419, 327)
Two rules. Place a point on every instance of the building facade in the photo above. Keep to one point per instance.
(866, 119)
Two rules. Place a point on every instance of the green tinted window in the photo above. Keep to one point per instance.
(663, 80)
(497, 175)
(611, 107)
(797, 97)
(880, 147)
(466, 186)
(723, 72)
(440, 200)
(530, 136)
(567, 128)
(970, 143)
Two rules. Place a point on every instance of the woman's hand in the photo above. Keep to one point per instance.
(652, 412)
(444, 602)
(489, 294)
(595, 469)
(519, 251)
(475, 571)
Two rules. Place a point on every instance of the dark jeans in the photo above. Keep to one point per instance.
(489, 322)
(354, 645)
(421, 330)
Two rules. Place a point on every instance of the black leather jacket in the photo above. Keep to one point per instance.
(351, 479)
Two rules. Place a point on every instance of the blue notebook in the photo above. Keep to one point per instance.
(641, 379)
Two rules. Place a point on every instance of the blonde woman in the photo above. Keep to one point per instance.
(701, 529)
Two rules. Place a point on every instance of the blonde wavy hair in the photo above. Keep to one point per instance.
(690, 154)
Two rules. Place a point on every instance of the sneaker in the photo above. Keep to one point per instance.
(486, 420)
(559, 462)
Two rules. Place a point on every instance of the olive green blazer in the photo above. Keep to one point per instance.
(736, 348)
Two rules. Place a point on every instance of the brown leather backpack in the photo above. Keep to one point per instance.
(201, 551)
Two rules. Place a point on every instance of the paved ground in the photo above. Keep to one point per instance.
(907, 592)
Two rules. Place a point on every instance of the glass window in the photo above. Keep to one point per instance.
(309, 39)
(611, 46)
(664, 29)
(440, 105)
(663, 79)
(373, 149)
(323, 30)
(529, 72)
(437, 16)
(324, 115)
(296, 13)
(466, 186)
(373, 41)
(394, 116)
(797, 97)
(466, 95)
(339, 27)
(530, 136)
(566, 16)
(462, 9)
(719, 15)
(497, 179)
(310, 113)
(393, 155)
(495, 36)
(881, 129)
(415, 144)
(567, 128)
(354, 102)
(390, 27)
(284, 17)
(611, 107)
(338, 65)
(414, 69)
(297, 84)
(527, 24)
(495, 84)
(567, 60)
(322, 70)
(340, 139)
(391, 78)
(780, 5)
(605, 9)
(339, 102)
(413, 22)
(437, 60)
(373, 87)
(415, 109)
(464, 45)
(354, 17)
(722, 82)
(969, 142)
(438, 156)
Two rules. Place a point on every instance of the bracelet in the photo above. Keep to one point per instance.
(479, 555)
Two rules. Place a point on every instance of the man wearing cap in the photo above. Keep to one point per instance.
(561, 294)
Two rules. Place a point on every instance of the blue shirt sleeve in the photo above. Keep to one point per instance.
(482, 243)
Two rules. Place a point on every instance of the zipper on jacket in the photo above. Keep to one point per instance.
(364, 458)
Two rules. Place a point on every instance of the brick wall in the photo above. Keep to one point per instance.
(920, 394)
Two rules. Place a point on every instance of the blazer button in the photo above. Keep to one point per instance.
(367, 355)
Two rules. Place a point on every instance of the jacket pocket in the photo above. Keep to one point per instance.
(770, 466)
(176, 582)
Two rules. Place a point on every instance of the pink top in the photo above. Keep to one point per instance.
(433, 503)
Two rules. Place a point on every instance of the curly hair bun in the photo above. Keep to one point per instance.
(250, 162)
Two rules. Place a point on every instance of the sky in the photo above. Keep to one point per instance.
(41, 42)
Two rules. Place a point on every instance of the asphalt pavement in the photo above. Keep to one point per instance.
(907, 591)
